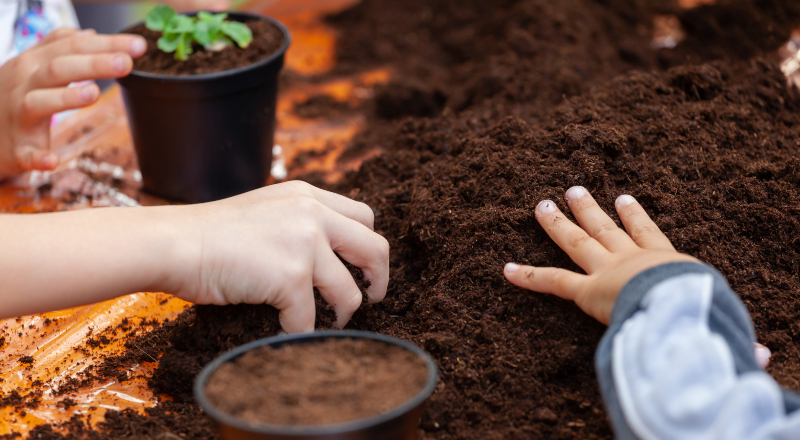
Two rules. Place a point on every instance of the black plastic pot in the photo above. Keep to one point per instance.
(400, 423)
(205, 137)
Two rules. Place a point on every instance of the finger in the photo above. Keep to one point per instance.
(596, 222)
(362, 248)
(350, 208)
(640, 227)
(297, 310)
(347, 207)
(559, 282)
(762, 355)
(57, 35)
(87, 43)
(42, 103)
(32, 158)
(585, 251)
(63, 70)
(337, 287)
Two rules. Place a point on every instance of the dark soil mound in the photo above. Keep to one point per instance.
(710, 151)
(467, 52)
(736, 29)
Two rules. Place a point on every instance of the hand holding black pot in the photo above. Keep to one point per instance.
(34, 87)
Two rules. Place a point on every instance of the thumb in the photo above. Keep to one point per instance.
(30, 157)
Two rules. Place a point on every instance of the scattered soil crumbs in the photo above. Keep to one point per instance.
(711, 152)
(267, 39)
(334, 381)
(322, 106)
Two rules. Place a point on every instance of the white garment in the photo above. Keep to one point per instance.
(677, 380)
(58, 13)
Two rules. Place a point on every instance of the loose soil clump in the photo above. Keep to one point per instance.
(267, 39)
(334, 381)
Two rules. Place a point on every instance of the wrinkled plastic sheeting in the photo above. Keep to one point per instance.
(58, 342)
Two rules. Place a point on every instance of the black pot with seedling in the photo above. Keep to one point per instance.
(208, 136)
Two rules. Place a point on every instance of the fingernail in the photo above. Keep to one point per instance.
(624, 200)
(546, 206)
(138, 46)
(762, 355)
(511, 267)
(50, 161)
(118, 64)
(576, 192)
(87, 94)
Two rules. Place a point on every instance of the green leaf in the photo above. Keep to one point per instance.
(180, 24)
(184, 48)
(168, 43)
(238, 32)
(211, 18)
(158, 17)
(202, 34)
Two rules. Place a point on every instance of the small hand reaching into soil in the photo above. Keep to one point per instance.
(276, 244)
(609, 255)
(269, 246)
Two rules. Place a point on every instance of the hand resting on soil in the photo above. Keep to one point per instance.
(272, 245)
(610, 256)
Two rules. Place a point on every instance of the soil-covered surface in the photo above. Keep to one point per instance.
(523, 99)
(334, 381)
(322, 106)
(267, 39)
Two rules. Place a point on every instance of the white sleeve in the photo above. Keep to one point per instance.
(676, 379)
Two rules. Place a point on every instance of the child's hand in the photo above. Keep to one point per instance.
(33, 87)
(609, 256)
(274, 245)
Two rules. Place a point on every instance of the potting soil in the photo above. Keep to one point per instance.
(267, 39)
(522, 99)
(333, 381)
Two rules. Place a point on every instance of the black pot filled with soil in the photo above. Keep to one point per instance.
(203, 127)
(325, 385)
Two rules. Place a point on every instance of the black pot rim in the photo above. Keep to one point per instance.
(287, 39)
(334, 428)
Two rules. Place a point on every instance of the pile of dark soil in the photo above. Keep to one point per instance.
(334, 381)
(734, 29)
(267, 39)
(709, 150)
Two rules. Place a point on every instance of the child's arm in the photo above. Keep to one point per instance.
(677, 361)
(33, 87)
(271, 245)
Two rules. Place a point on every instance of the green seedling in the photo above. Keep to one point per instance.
(179, 32)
